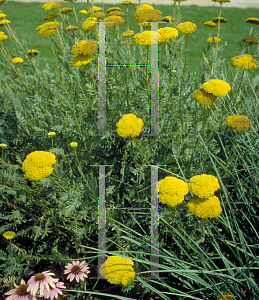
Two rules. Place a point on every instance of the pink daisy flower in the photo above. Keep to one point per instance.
(53, 293)
(20, 292)
(77, 271)
(39, 281)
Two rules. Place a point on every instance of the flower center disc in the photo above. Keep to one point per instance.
(22, 289)
(39, 276)
(76, 269)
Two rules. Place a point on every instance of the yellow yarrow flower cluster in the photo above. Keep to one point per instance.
(216, 87)
(3, 145)
(51, 133)
(203, 97)
(72, 27)
(50, 16)
(129, 125)
(204, 203)
(51, 5)
(48, 28)
(220, 20)
(113, 9)
(147, 37)
(172, 190)
(203, 185)
(213, 40)
(73, 144)
(227, 295)
(128, 33)
(9, 235)
(85, 47)
(98, 15)
(205, 207)
(3, 36)
(252, 21)
(116, 20)
(187, 27)
(148, 15)
(2, 15)
(89, 23)
(241, 123)
(95, 9)
(127, 3)
(246, 62)
(80, 60)
(83, 12)
(250, 40)
(210, 24)
(66, 10)
(119, 269)
(144, 7)
(17, 60)
(221, 1)
(3, 22)
(166, 19)
(38, 164)
(167, 33)
(116, 13)
(32, 52)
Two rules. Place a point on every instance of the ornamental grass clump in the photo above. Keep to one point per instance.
(129, 125)
(117, 270)
(38, 164)
(241, 123)
(172, 190)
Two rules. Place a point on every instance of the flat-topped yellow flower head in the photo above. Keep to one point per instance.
(246, 62)
(172, 190)
(51, 5)
(203, 185)
(241, 123)
(118, 270)
(129, 125)
(216, 87)
(186, 27)
(205, 207)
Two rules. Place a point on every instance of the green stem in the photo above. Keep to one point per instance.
(128, 15)
(11, 249)
(178, 14)
(233, 145)
(182, 77)
(15, 70)
(92, 78)
(243, 71)
(61, 79)
(216, 54)
(113, 42)
(174, 11)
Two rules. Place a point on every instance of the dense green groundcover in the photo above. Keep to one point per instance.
(56, 218)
